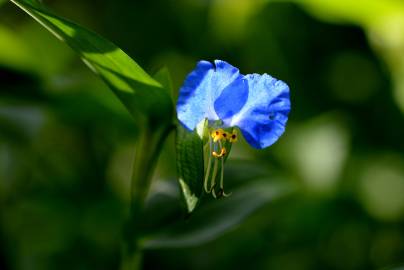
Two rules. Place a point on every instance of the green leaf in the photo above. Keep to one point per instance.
(394, 268)
(14, 52)
(164, 78)
(143, 96)
(190, 163)
(220, 216)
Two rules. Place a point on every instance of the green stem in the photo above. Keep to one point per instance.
(207, 173)
(147, 152)
(146, 155)
(132, 261)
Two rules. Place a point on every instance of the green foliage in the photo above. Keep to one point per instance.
(66, 141)
(164, 78)
(190, 163)
(142, 95)
(394, 268)
(14, 53)
(218, 217)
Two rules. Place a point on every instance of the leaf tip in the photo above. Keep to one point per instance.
(191, 200)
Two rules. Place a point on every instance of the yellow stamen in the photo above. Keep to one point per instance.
(233, 137)
(218, 134)
(221, 154)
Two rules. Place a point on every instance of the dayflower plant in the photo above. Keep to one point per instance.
(214, 103)
(257, 105)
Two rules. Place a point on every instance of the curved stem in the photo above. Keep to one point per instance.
(147, 152)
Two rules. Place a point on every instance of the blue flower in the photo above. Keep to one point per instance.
(257, 104)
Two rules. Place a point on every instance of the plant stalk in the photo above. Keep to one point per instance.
(147, 151)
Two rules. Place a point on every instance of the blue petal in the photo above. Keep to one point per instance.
(200, 90)
(232, 100)
(263, 118)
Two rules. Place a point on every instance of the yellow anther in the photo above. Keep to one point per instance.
(221, 154)
(233, 137)
(218, 134)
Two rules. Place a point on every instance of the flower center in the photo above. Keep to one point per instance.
(219, 141)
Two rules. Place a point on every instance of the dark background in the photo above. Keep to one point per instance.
(67, 144)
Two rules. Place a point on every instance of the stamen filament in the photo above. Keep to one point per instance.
(222, 193)
(221, 174)
(213, 179)
(214, 193)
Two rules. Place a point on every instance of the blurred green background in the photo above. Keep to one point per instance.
(67, 144)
